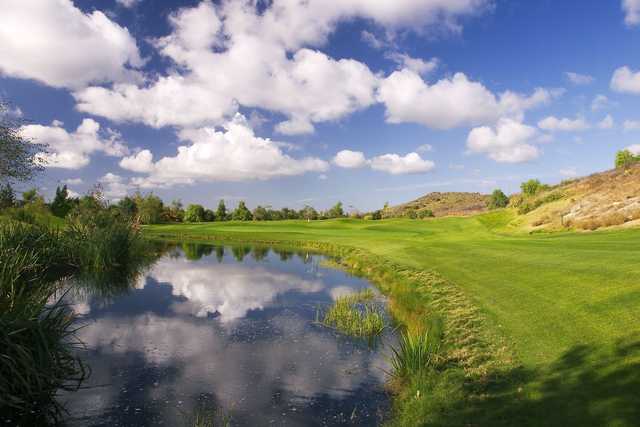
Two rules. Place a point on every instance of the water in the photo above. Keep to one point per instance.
(229, 330)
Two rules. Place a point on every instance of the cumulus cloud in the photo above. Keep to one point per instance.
(350, 159)
(128, 3)
(509, 142)
(634, 148)
(554, 124)
(417, 65)
(234, 153)
(631, 10)
(600, 102)
(114, 186)
(72, 150)
(57, 44)
(625, 80)
(606, 123)
(399, 165)
(579, 79)
(232, 54)
(451, 102)
(391, 163)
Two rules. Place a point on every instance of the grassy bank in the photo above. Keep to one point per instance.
(566, 306)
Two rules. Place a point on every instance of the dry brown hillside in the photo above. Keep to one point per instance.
(442, 204)
(605, 199)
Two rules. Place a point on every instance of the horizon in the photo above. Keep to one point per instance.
(288, 104)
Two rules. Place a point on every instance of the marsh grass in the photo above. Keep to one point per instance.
(355, 314)
(203, 417)
(416, 352)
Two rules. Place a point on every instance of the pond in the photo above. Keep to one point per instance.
(230, 331)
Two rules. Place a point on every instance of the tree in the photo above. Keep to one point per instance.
(150, 208)
(498, 200)
(241, 213)
(531, 187)
(127, 207)
(625, 158)
(425, 213)
(61, 204)
(336, 211)
(209, 215)
(261, 214)
(221, 212)
(20, 158)
(411, 213)
(308, 213)
(194, 213)
(7, 197)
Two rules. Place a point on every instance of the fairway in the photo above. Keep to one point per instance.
(567, 303)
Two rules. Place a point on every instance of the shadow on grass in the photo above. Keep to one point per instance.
(587, 386)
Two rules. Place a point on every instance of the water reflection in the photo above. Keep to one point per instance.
(215, 327)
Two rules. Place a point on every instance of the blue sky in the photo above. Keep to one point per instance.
(201, 100)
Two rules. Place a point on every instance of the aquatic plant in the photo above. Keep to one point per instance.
(416, 351)
(356, 315)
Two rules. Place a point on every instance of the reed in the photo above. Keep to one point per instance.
(356, 315)
(416, 351)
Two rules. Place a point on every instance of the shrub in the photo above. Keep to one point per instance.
(411, 214)
(498, 200)
(425, 213)
(625, 158)
(531, 187)
(416, 352)
(194, 213)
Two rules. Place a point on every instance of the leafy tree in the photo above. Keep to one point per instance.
(308, 213)
(150, 208)
(19, 157)
(221, 212)
(7, 197)
(376, 215)
(127, 207)
(531, 187)
(261, 214)
(30, 196)
(425, 213)
(209, 215)
(625, 158)
(336, 211)
(61, 204)
(498, 200)
(241, 213)
(411, 213)
(194, 213)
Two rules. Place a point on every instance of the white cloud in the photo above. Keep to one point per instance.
(350, 159)
(57, 44)
(631, 10)
(569, 172)
(606, 123)
(553, 124)
(579, 79)
(509, 142)
(232, 154)
(425, 148)
(451, 102)
(417, 65)
(115, 187)
(634, 148)
(140, 162)
(631, 125)
(230, 54)
(371, 39)
(72, 150)
(625, 80)
(600, 102)
(128, 3)
(396, 165)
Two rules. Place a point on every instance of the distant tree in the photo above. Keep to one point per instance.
(29, 196)
(261, 214)
(531, 187)
(209, 215)
(498, 200)
(425, 213)
(625, 158)
(308, 213)
(336, 211)
(19, 159)
(411, 213)
(127, 207)
(194, 213)
(61, 204)
(150, 208)
(241, 213)
(287, 213)
(221, 212)
(7, 197)
(376, 215)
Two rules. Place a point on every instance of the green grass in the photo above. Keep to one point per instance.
(356, 315)
(566, 305)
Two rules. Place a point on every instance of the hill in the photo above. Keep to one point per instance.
(442, 204)
(606, 199)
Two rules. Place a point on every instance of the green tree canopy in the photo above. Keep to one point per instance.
(336, 211)
(221, 212)
(194, 213)
(61, 204)
(625, 158)
(498, 200)
(531, 187)
(150, 208)
(241, 213)
(7, 196)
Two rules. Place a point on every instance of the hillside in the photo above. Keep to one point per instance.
(606, 199)
(442, 204)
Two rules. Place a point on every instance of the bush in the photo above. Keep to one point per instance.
(411, 214)
(498, 200)
(194, 213)
(532, 187)
(625, 158)
(425, 213)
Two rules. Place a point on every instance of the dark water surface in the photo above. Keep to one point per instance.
(229, 330)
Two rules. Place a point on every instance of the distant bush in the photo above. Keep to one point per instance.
(529, 205)
(411, 213)
(194, 213)
(498, 200)
(625, 158)
(532, 187)
(425, 213)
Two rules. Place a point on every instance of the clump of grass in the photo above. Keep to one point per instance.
(356, 315)
(208, 418)
(416, 352)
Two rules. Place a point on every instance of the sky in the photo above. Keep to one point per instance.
(289, 102)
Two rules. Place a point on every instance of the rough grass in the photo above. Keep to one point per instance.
(356, 315)
(519, 312)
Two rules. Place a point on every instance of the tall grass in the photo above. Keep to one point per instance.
(416, 351)
(356, 315)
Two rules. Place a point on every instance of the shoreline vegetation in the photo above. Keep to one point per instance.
(485, 371)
